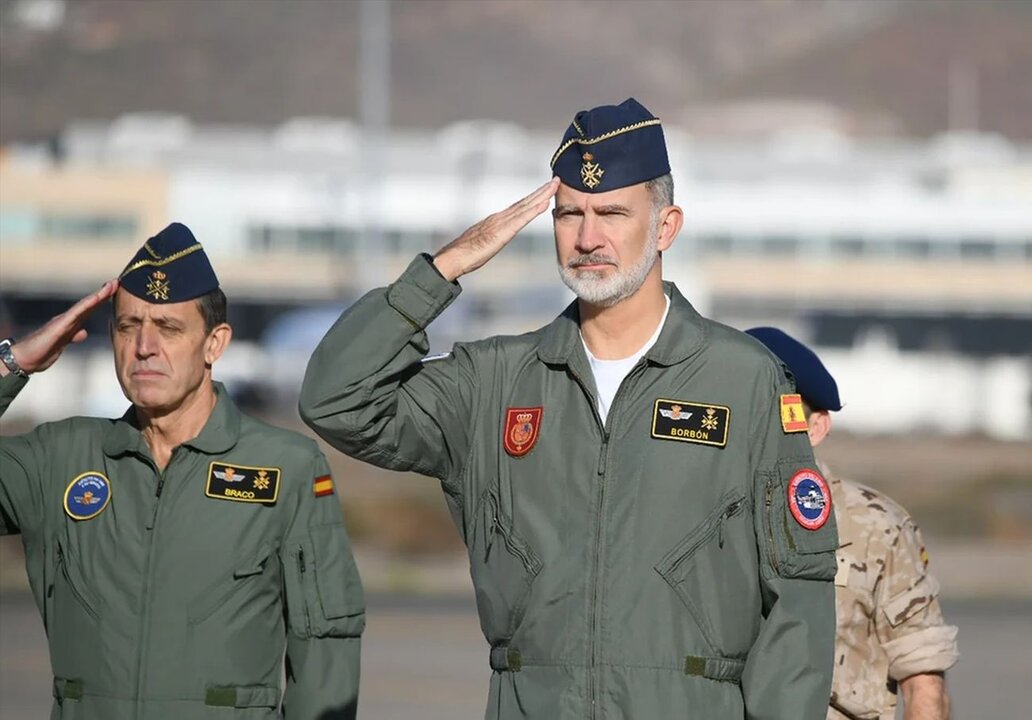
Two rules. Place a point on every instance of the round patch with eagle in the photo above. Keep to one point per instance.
(809, 499)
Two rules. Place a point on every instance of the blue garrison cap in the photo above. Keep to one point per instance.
(171, 267)
(813, 381)
(611, 147)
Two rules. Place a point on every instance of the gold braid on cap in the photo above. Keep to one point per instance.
(605, 136)
(159, 263)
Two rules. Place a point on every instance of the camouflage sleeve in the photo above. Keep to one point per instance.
(909, 621)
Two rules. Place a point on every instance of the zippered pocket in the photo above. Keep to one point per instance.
(679, 567)
(504, 568)
(74, 582)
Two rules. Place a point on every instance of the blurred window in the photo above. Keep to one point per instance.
(305, 239)
(76, 226)
(720, 244)
(848, 246)
(780, 246)
(914, 247)
(1028, 250)
(977, 248)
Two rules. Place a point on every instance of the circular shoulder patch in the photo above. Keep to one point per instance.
(87, 496)
(809, 499)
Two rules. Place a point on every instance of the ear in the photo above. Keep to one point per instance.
(216, 342)
(819, 425)
(671, 219)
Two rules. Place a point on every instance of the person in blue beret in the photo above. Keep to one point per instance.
(891, 638)
(173, 552)
(620, 476)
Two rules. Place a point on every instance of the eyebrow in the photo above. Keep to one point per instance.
(614, 208)
(561, 210)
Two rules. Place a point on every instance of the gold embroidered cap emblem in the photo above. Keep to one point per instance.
(157, 287)
(591, 173)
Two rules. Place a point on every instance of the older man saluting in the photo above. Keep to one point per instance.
(621, 477)
(175, 552)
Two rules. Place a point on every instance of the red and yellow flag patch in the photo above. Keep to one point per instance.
(323, 485)
(793, 419)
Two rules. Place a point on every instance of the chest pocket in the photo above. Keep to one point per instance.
(701, 569)
(73, 612)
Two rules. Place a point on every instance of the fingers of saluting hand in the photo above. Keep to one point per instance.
(520, 213)
(88, 304)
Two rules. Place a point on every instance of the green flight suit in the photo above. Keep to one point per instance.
(619, 575)
(172, 604)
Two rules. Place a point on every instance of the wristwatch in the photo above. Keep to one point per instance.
(7, 357)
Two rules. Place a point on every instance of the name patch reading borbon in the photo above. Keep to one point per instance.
(242, 483)
(691, 422)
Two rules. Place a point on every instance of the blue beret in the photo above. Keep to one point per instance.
(171, 267)
(611, 147)
(813, 381)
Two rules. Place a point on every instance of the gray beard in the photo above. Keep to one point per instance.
(607, 288)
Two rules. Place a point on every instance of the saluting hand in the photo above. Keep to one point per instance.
(38, 351)
(484, 240)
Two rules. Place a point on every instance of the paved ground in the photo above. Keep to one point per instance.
(426, 659)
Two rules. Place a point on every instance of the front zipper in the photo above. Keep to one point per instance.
(595, 561)
(63, 563)
(151, 534)
(302, 569)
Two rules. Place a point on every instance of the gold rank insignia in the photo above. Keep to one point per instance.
(242, 483)
(591, 173)
(793, 419)
(157, 287)
(701, 423)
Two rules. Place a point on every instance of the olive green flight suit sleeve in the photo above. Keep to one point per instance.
(21, 459)
(367, 393)
(325, 607)
(789, 669)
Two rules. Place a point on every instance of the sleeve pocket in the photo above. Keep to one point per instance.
(324, 592)
(798, 551)
(339, 587)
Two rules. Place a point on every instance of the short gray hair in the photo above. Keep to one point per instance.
(661, 190)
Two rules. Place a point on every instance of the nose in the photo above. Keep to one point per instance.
(147, 341)
(589, 237)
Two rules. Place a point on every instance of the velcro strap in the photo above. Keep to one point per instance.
(715, 668)
(242, 697)
(67, 689)
(505, 658)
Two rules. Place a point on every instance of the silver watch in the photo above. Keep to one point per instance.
(7, 358)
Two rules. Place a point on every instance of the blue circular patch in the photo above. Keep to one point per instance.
(809, 499)
(87, 496)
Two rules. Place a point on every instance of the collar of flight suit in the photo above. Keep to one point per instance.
(219, 434)
(683, 334)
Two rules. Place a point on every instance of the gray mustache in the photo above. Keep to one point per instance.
(591, 260)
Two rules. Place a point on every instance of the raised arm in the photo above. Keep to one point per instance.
(23, 457)
(366, 391)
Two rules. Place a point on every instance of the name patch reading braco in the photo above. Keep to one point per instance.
(242, 483)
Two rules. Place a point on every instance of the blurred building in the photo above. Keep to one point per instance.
(908, 263)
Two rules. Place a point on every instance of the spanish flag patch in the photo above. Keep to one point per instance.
(793, 419)
(323, 485)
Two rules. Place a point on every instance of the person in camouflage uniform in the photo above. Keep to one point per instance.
(890, 634)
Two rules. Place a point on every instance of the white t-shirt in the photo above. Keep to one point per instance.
(610, 373)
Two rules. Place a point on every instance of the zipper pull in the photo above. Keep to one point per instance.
(731, 510)
(602, 455)
(161, 486)
(301, 568)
